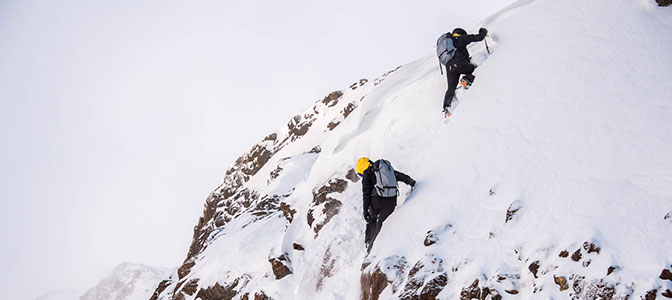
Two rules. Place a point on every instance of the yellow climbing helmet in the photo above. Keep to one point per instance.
(363, 163)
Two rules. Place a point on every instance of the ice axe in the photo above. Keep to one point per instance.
(486, 45)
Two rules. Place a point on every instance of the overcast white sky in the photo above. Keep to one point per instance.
(119, 117)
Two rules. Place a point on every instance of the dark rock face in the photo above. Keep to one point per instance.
(162, 287)
(281, 266)
(275, 173)
(346, 112)
(333, 125)
(299, 126)
(315, 150)
(257, 296)
(352, 175)
(651, 295)
(666, 275)
(561, 281)
(361, 82)
(534, 268)
(184, 270)
(511, 212)
(298, 247)
(331, 206)
(576, 256)
(426, 279)
(475, 292)
(287, 211)
(664, 2)
(375, 279)
(590, 247)
(430, 239)
(348, 109)
(373, 284)
(190, 287)
(219, 292)
(332, 99)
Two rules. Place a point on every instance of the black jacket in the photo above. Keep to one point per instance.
(369, 182)
(461, 42)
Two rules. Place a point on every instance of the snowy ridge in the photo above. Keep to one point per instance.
(552, 180)
(127, 282)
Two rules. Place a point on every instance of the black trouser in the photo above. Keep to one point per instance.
(380, 209)
(454, 69)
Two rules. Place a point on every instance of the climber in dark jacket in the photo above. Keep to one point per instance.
(376, 208)
(460, 63)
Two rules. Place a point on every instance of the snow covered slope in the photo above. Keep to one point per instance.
(552, 180)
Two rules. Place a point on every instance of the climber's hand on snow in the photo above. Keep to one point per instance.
(483, 32)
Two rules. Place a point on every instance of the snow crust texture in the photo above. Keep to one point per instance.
(552, 179)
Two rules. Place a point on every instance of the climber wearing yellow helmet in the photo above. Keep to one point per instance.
(379, 193)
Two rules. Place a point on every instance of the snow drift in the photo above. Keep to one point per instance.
(553, 178)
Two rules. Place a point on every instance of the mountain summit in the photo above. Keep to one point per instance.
(552, 179)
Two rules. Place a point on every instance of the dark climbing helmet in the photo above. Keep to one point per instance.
(459, 31)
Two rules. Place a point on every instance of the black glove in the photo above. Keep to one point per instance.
(483, 32)
(367, 217)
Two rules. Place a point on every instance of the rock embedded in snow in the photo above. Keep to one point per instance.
(534, 268)
(298, 247)
(332, 99)
(281, 266)
(218, 291)
(666, 275)
(287, 211)
(324, 206)
(431, 239)
(426, 279)
(561, 281)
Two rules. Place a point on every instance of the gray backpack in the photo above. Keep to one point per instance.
(386, 181)
(444, 49)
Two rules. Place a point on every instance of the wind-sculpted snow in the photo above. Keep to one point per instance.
(552, 179)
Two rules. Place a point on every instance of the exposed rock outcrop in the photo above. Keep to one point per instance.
(223, 292)
(474, 291)
(324, 207)
(389, 272)
(426, 279)
(281, 266)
